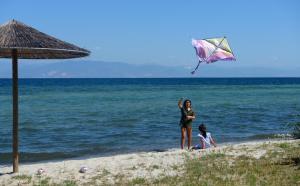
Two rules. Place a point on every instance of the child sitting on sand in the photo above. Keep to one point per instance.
(205, 139)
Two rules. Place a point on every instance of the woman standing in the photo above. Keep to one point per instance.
(187, 116)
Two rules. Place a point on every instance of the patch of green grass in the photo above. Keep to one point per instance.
(155, 167)
(166, 180)
(119, 177)
(25, 178)
(283, 145)
(69, 183)
(175, 167)
(215, 169)
(152, 167)
(43, 182)
(101, 176)
(214, 155)
(137, 181)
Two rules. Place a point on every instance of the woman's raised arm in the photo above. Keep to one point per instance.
(180, 103)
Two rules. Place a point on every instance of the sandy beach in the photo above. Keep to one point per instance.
(145, 165)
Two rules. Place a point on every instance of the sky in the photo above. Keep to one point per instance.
(262, 34)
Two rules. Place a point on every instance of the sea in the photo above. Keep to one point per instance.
(78, 118)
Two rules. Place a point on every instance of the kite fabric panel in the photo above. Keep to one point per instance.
(214, 49)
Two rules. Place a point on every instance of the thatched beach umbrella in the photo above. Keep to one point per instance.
(18, 40)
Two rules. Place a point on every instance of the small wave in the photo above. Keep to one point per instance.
(270, 136)
(158, 150)
(283, 135)
(25, 157)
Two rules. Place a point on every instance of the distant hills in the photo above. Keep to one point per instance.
(90, 69)
(100, 69)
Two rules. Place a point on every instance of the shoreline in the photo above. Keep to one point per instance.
(143, 151)
(146, 165)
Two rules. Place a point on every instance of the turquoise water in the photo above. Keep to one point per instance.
(65, 118)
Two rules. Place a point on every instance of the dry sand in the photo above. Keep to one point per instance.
(147, 165)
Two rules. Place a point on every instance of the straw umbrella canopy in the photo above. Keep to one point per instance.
(18, 40)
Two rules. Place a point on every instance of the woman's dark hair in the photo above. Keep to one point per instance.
(184, 103)
(202, 129)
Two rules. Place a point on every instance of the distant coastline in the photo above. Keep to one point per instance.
(101, 69)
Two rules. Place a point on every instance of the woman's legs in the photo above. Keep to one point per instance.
(183, 130)
(189, 134)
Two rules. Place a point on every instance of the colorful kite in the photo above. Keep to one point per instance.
(212, 50)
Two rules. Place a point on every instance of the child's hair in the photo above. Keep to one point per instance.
(202, 129)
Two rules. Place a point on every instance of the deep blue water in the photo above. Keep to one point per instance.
(66, 118)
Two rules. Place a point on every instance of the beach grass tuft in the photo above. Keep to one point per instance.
(69, 183)
(138, 181)
(24, 178)
(283, 145)
(42, 181)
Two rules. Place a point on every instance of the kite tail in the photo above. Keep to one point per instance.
(193, 72)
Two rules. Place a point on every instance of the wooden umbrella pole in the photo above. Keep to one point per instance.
(15, 110)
